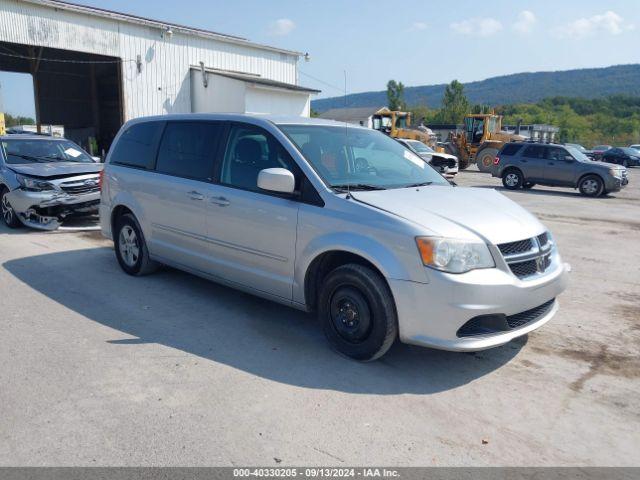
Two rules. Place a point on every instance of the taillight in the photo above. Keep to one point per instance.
(496, 160)
(100, 176)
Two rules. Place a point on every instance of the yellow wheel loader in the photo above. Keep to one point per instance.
(480, 140)
(397, 124)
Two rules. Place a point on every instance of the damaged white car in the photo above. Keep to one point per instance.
(46, 180)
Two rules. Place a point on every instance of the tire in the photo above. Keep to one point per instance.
(357, 312)
(131, 248)
(591, 186)
(625, 164)
(512, 179)
(485, 158)
(528, 185)
(9, 215)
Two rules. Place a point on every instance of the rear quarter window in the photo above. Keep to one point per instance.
(137, 146)
(510, 149)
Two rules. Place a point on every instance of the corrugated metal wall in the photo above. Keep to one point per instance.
(163, 84)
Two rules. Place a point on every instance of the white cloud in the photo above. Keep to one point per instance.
(608, 23)
(483, 27)
(418, 26)
(281, 27)
(525, 23)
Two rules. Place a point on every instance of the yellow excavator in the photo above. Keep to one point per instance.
(3, 125)
(397, 124)
(480, 140)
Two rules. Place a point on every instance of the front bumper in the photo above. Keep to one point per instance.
(47, 210)
(431, 314)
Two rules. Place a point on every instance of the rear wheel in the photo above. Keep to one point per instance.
(9, 215)
(591, 186)
(131, 248)
(357, 311)
(512, 179)
(485, 158)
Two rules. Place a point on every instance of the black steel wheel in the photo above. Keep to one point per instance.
(357, 311)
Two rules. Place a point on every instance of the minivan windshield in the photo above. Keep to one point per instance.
(22, 150)
(359, 158)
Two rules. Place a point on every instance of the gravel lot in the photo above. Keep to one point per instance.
(97, 368)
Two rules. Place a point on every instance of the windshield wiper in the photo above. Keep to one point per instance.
(423, 184)
(29, 157)
(357, 186)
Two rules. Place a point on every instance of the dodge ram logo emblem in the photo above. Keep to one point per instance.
(540, 264)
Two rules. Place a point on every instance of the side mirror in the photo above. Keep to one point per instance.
(278, 180)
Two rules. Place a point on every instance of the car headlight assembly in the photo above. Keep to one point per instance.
(33, 184)
(452, 255)
(616, 172)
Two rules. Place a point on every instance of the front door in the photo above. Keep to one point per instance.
(560, 169)
(252, 233)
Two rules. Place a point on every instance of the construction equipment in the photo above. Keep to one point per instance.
(3, 125)
(480, 140)
(397, 124)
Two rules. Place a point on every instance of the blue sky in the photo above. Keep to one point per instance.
(416, 42)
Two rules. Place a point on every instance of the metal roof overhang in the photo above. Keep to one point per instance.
(125, 17)
(257, 80)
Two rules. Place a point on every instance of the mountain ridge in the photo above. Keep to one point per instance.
(525, 87)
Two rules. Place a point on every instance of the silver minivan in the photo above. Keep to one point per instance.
(331, 218)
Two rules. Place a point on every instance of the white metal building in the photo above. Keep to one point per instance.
(93, 69)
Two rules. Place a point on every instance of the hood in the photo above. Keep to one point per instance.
(56, 169)
(455, 212)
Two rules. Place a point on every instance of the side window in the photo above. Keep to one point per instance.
(555, 153)
(534, 151)
(249, 150)
(510, 149)
(137, 145)
(187, 149)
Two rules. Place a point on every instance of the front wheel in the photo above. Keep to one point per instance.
(9, 215)
(591, 186)
(512, 179)
(357, 312)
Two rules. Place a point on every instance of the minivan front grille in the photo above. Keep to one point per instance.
(529, 257)
(516, 247)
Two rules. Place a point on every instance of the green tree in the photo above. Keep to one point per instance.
(395, 95)
(12, 121)
(454, 104)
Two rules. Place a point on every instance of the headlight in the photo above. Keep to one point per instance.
(616, 172)
(452, 255)
(34, 184)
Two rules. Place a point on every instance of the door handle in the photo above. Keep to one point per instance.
(220, 201)
(523, 161)
(195, 195)
(550, 163)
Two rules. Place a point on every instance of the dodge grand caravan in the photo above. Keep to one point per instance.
(336, 219)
